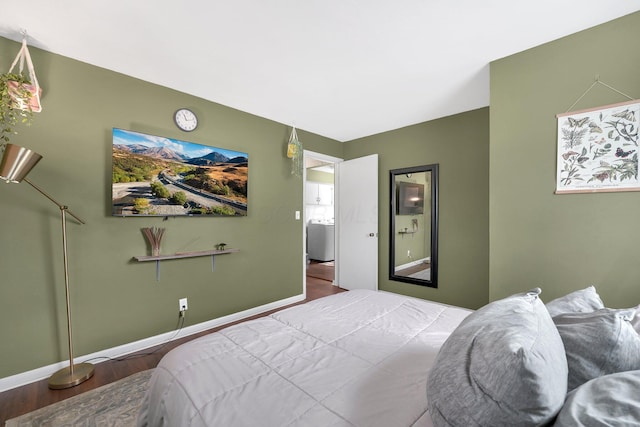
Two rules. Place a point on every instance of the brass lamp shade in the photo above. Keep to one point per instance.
(17, 162)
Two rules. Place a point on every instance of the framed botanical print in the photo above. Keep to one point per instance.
(598, 149)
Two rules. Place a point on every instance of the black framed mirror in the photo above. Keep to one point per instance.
(413, 248)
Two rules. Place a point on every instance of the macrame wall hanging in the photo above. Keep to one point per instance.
(19, 94)
(294, 152)
(25, 95)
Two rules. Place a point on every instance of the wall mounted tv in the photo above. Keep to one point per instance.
(410, 198)
(159, 176)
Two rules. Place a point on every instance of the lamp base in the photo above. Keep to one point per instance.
(64, 379)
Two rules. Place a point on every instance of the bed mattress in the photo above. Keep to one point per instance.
(358, 358)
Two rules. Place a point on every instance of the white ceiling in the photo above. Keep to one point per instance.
(343, 69)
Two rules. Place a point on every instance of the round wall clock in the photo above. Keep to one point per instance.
(185, 119)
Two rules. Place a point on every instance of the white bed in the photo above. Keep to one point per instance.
(358, 358)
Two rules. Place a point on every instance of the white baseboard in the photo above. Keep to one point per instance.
(38, 374)
(413, 263)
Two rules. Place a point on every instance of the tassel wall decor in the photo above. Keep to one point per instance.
(294, 152)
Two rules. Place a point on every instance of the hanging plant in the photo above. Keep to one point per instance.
(14, 86)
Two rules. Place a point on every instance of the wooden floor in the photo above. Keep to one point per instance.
(30, 397)
(321, 270)
(412, 270)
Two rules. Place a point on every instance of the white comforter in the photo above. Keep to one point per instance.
(358, 358)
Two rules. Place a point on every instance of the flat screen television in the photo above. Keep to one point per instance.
(409, 198)
(159, 176)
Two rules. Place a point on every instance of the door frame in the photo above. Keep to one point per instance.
(328, 159)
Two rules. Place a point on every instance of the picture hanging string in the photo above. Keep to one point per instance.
(598, 81)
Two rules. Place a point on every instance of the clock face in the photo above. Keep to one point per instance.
(185, 119)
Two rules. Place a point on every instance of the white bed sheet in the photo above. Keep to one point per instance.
(358, 358)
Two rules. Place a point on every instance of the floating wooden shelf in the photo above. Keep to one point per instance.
(178, 255)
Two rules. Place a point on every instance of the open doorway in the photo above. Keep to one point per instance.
(319, 217)
(355, 220)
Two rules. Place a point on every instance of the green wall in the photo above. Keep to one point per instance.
(116, 300)
(460, 145)
(319, 176)
(560, 242)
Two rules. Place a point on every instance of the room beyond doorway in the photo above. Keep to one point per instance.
(320, 225)
(321, 270)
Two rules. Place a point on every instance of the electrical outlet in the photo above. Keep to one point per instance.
(184, 305)
(408, 253)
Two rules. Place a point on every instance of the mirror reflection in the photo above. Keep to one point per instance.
(413, 256)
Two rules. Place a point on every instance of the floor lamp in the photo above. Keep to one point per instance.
(16, 164)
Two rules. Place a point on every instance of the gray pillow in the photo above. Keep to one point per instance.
(611, 400)
(503, 366)
(582, 301)
(635, 322)
(599, 343)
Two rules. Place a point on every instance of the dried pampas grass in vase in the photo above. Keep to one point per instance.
(154, 236)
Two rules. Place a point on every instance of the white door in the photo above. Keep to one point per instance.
(356, 189)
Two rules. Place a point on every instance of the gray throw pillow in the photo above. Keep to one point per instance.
(503, 366)
(611, 400)
(598, 343)
(635, 322)
(582, 301)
